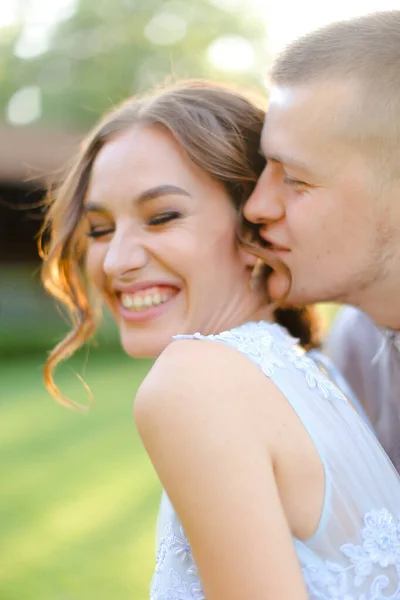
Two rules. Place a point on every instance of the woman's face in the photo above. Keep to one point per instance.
(162, 248)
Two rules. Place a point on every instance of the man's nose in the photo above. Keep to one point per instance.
(125, 253)
(266, 203)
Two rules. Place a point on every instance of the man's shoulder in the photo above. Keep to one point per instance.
(352, 316)
(354, 327)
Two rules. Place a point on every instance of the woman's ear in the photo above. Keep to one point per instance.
(248, 259)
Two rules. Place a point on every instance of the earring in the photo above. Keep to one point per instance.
(255, 274)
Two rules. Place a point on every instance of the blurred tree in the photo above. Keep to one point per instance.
(106, 50)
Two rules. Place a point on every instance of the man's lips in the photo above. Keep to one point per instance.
(270, 243)
(274, 247)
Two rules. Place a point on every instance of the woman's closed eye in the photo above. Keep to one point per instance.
(104, 230)
(97, 232)
(165, 217)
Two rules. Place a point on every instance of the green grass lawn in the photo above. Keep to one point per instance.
(79, 497)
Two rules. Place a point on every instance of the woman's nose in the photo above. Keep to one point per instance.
(125, 253)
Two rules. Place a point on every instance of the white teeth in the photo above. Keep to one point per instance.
(136, 302)
(127, 301)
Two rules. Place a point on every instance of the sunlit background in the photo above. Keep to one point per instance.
(31, 28)
(79, 497)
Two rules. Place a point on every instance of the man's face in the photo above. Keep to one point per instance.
(318, 201)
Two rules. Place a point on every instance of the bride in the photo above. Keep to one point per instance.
(274, 486)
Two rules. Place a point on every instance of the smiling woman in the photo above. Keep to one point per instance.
(157, 235)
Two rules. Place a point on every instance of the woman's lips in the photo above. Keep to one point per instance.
(147, 302)
(146, 298)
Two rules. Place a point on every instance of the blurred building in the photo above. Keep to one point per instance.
(29, 158)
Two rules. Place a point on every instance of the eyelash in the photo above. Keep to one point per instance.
(294, 182)
(154, 222)
(164, 218)
(93, 233)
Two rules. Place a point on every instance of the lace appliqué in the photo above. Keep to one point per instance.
(175, 586)
(269, 350)
(380, 549)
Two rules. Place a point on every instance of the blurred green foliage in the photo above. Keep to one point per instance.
(107, 50)
(30, 320)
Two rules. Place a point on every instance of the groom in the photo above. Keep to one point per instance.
(328, 202)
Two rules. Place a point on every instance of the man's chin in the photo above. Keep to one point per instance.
(301, 297)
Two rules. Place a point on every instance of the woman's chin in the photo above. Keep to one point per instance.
(140, 346)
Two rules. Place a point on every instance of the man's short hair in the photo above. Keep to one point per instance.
(364, 52)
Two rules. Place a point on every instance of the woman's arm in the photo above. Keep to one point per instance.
(195, 415)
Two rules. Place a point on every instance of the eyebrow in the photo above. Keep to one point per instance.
(158, 191)
(287, 160)
(146, 196)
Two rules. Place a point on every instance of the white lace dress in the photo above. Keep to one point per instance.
(355, 552)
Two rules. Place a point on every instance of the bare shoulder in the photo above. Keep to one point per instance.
(190, 374)
(199, 415)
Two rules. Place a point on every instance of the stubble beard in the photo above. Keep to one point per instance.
(367, 282)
